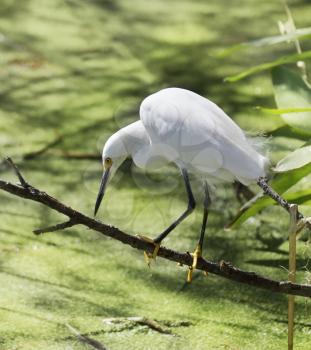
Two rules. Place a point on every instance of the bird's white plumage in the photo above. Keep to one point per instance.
(199, 135)
(180, 126)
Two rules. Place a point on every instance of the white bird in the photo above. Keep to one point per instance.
(181, 127)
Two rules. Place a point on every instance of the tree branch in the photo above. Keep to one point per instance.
(267, 190)
(223, 269)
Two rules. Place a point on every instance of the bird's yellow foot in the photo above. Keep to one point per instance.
(150, 256)
(196, 254)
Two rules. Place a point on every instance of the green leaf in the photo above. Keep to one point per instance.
(281, 183)
(299, 197)
(265, 66)
(301, 34)
(294, 160)
(291, 91)
(278, 111)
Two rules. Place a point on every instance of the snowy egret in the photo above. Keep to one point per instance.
(179, 126)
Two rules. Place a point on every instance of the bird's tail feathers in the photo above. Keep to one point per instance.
(260, 143)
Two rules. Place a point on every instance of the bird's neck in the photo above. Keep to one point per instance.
(134, 138)
(138, 145)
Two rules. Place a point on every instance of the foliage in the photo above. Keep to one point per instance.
(293, 99)
(291, 91)
(266, 66)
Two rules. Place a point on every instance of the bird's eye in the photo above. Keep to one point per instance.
(108, 162)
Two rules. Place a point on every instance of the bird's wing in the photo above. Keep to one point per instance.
(167, 112)
(175, 112)
(197, 131)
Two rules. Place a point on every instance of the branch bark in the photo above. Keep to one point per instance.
(223, 269)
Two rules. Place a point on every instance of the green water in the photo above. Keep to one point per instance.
(78, 69)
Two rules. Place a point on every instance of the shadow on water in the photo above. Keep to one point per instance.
(187, 65)
(105, 5)
(212, 290)
(29, 315)
(29, 237)
(18, 214)
(62, 297)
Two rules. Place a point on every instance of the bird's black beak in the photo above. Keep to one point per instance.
(102, 189)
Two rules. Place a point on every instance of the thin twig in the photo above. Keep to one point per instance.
(80, 156)
(291, 28)
(17, 172)
(262, 183)
(39, 152)
(74, 155)
(56, 227)
(150, 323)
(222, 269)
(85, 339)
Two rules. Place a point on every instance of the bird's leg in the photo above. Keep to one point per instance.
(191, 205)
(198, 250)
(189, 210)
(262, 183)
(242, 192)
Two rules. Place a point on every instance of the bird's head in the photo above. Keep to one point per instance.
(114, 153)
